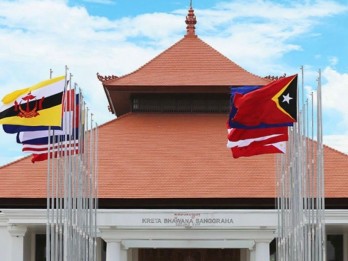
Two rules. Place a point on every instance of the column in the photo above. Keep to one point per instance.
(124, 254)
(113, 251)
(252, 255)
(17, 242)
(262, 251)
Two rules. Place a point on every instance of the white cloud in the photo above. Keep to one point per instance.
(262, 32)
(333, 60)
(338, 142)
(104, 2)
(156, 26)
(9, 149)
(275, 10)
(50, 34)
(335, 90)
(70, 36)
(334, 106)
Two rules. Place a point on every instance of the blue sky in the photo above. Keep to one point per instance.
(116, 37)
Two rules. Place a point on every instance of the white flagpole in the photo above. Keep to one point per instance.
(48, 250)
(85, 198)
(95, 190)
(320, 167)
(75, 172)
(90, 187)
(300, 187)
(79, 179)
(68, 173)
(72, 183)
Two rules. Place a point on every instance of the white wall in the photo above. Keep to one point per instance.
(133, 226)
(5, 240)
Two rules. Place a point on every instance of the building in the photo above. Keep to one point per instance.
(168, 187)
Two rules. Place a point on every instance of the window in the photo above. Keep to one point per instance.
(40, 247)
(193, 102)
(334, 247)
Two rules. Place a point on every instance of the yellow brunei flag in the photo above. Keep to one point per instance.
(38, 105)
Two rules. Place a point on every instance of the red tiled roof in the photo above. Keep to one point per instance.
(171, 156)
(189, 62)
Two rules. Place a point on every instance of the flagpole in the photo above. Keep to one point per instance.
(80, 172)
(56, 209)
(314, 205)
(72, 181)
(75, 170)
(90, 210)
(48, 250)
(68, 170)
(53, 225)
(321, 178)
(71, 173)
(95, 190)
(304, 177)
(300, 186)
(308, 186)
(86, 188)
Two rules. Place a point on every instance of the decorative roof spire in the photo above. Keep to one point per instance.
(190, 21)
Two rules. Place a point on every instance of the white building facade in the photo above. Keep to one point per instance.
(123, 234)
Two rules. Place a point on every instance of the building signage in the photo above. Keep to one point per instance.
(188, 220)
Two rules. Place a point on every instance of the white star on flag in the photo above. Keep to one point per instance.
(287, 98)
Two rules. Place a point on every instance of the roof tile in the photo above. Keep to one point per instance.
(192, 62)
(172, 156)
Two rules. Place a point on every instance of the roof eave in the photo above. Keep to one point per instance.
(111, 105)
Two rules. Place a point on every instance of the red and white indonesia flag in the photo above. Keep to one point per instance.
(250, 142)
(41, 151)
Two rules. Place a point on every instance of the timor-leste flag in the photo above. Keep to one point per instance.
(233, 110)
(38, 105)
(274, 103)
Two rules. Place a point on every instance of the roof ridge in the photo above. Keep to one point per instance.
(15, 161)
(169, 49)
(117, 118)
(336, 150)
(328, 147)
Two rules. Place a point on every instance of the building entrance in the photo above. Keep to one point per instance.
(189, 255)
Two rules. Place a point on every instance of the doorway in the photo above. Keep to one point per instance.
(189, 255)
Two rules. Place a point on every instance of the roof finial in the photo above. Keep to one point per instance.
(190, 21)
